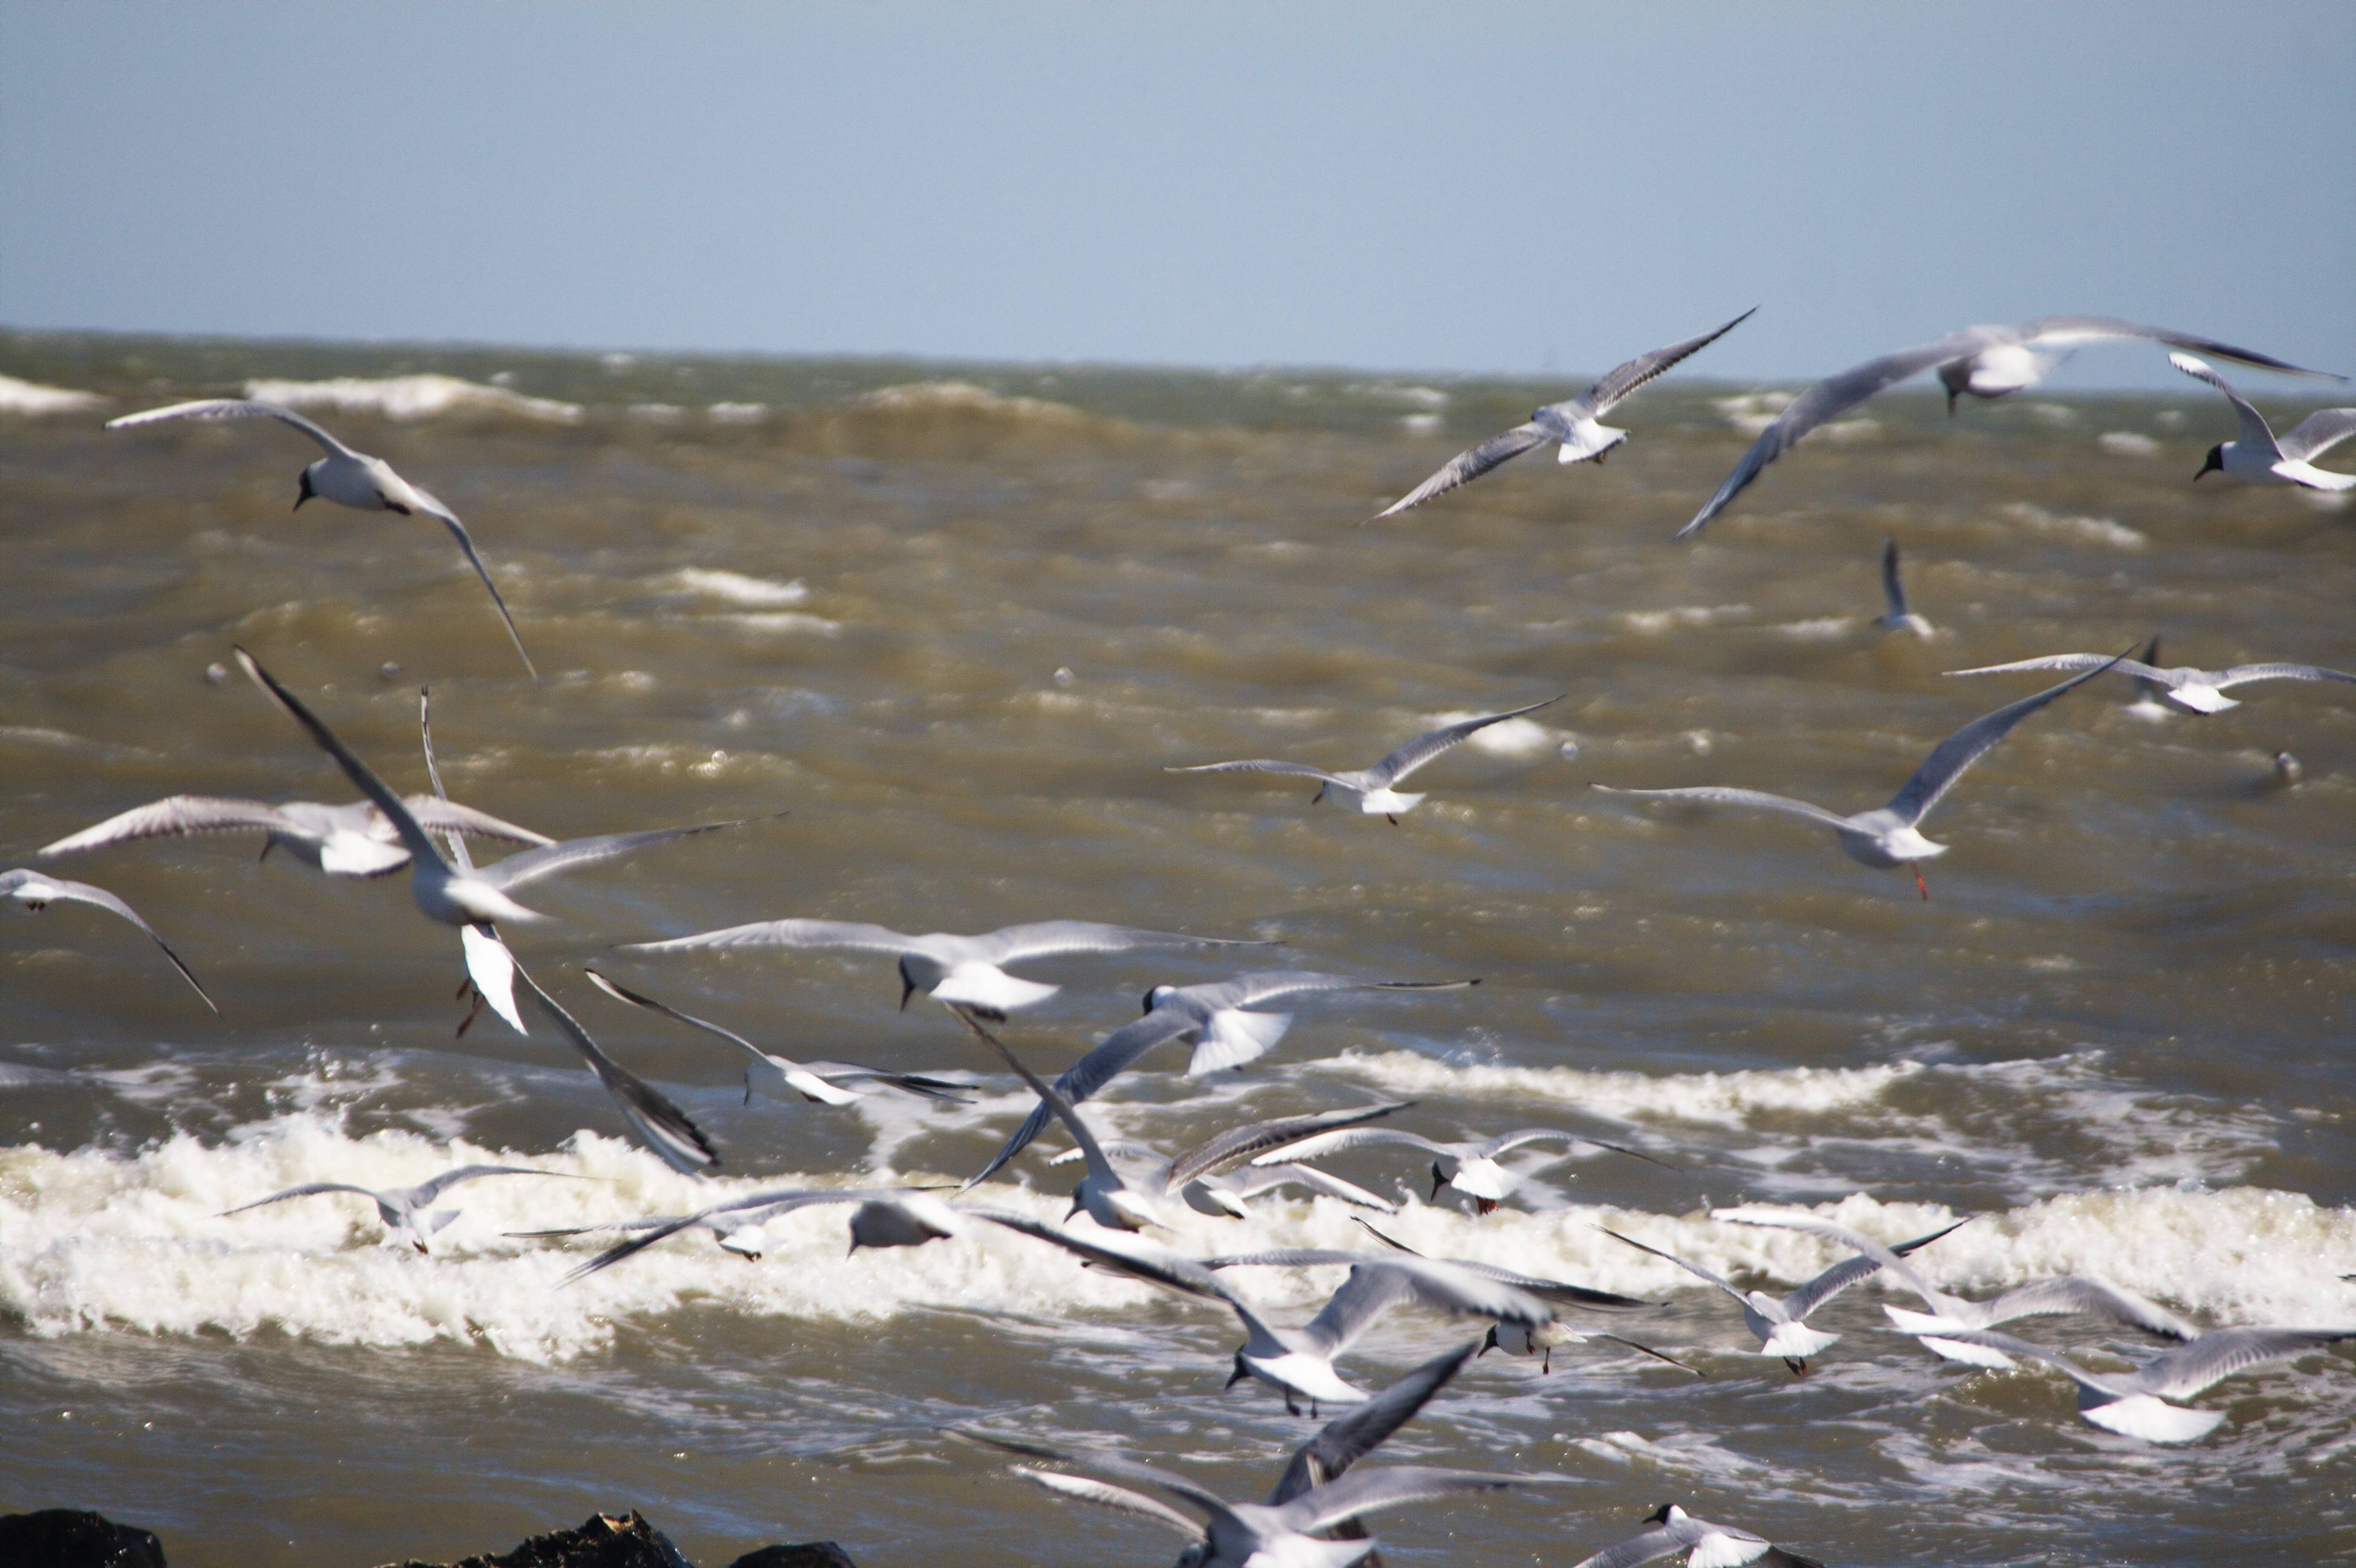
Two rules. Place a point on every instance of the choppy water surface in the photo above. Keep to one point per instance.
(956, 621)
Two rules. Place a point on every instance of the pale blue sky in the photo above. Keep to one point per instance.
(1476, 186)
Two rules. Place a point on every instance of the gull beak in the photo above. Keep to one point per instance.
(1237, 1376)
(1487, 1345)
(907, 989)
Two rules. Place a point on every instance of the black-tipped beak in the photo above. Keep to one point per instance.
(907, 989)
(1488, 1344)
(1438, 1181)
(303, 490)
(1951, 403)
(1237, 1376)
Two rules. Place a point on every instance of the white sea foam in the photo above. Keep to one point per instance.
(1722, 1099)
(965, 397)
(2091, 530)
(772, 622)
(411, 397)
(1824, 628)
(2128, 444)
(1753, 412)
(736, 587)
(33, 398)
(737, 412)
(1507, 738)
(1652, 623)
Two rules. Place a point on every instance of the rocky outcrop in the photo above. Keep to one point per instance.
(628, 1541)
(61, 1537)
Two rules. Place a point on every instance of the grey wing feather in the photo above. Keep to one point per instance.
(1694, 1269)
(659, 1124)
(1831, 397)
(1947, 762)
(1560, 1292)
(2213, 1356)
(2060, 329)
(1121, 1500)
(623, 994)
(1466, 467)
(1364, 1491)
(2139, 669)
(1238, 1145)
(1850, 1270)
(531, 866)
(2241, 674)
(234, 408)
(2317, 433)
(1317, 1146)
(1424, 748)
(413, 838)
(1157, 1266)
(1265, 765)
(776, 1201)
(308, 1189)
(1616, 387)
(1377, 1284)
(1049, 1096)
(853, 936)
(59, 888)
(1349, 1438)
(2076, 1294)
(449, 519)
(1275, 984)
(426, 1192)
(1111, 1058)
(1044, 938)
(1654, 1542)
(2254, 426)
(447, 816)
(172, 816)
(1258, 1179)
(1722, 795)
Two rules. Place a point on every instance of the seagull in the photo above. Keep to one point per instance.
(1216, 1016)
(2136, 1402)
(1577, 424)
(2062, 1295)
(354, 840)
(1984, 361)
(1370, 788)
(404, 1210)
(2184, 688)
(460, 895)
(2260, 457)
(1890, 836)
(1899, 618)
(1670, 1530)
(1471, 1168)
(346, 478)
(956, 971)
(1781, 1323)
(780, 1078)
(1297, 1362)
(736, 1223)
(1309, 1520)
(36, 891)
(1200, 1177)
(1103, 1194)
(1515, 1337)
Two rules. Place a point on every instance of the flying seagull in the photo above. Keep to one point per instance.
(1470, 1166)
(1371, 787)
(404, 1210)
(956, 971)
(1900, 619)
(2184, 688)
(780, 1077)
(1218, 1017)
(1201, 1178)
(460, 895)
(354, 840)
(1670, 1530)
(2063, 1295)
(1890, 836)
(346, 478)
(36, 891)
(2136, 1402)
(1984, 361)
(1577, 424)
(2260, 457)
(1311, 1518)
(1781, 1323)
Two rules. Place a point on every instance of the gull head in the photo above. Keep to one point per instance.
(1667, 1513)
(2213, 464)
(1154, 998)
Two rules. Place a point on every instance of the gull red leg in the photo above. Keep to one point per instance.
(1919, 883)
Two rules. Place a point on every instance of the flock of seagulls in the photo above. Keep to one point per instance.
(1131, 1202)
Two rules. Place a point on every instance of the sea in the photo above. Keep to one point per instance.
(957, 622)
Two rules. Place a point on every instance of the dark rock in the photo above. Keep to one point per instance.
(604, 1542)
(809, 1554)
(61, 1538)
